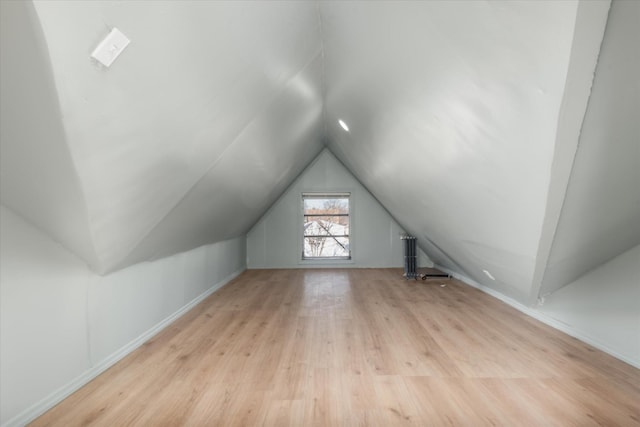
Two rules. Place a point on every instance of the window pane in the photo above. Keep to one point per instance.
(326, 247)
(326, 225)
(326, 206)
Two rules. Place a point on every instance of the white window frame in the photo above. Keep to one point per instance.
(326, 195)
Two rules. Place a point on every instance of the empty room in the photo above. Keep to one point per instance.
(319, 213)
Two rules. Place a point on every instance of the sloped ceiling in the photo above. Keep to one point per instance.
(601, 211)
(210, 112)
(455, 111)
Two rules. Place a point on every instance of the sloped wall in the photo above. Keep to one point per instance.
(275, 241)
(600, 217)
(37, 176)
(603, 306)
(61, 324)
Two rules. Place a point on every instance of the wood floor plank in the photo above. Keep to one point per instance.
(356, 347)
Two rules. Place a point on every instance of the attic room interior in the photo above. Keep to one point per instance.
(206, 208)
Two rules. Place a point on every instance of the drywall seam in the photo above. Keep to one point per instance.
(119, 264)
(40, 407)
(87, 319)
(591, 22)
(547, 320)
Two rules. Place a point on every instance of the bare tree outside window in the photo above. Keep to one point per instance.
(326, 226)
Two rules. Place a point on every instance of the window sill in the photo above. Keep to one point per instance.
(326, 262)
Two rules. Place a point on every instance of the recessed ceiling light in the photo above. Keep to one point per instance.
(489, 275)
(344, 125)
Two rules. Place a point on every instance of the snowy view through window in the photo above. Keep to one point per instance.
(326, 226)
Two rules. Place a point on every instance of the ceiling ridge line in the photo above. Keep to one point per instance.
(323, 73)
(190, 188)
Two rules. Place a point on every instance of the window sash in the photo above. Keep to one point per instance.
(314, 248)
(314, 238)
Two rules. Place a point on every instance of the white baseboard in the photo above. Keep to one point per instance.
(42, 406)
(544, 318)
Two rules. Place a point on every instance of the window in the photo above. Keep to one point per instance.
(325, 226)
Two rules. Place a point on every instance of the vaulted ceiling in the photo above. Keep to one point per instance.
(465, 121)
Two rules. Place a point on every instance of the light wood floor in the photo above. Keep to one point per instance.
(356, 348)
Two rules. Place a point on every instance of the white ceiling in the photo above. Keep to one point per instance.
(457, 112)
(452, 108)
(211, 111)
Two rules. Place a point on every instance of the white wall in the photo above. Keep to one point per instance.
(61, 324)
(275, 240)
(603, 306)
(600, 308)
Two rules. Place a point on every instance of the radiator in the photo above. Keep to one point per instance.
(410, 257)
(411, 261)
